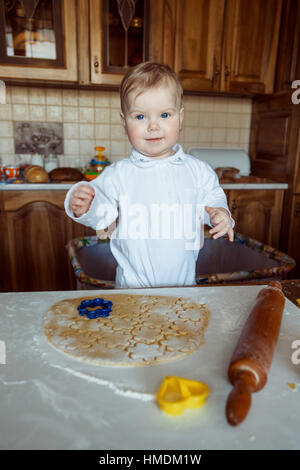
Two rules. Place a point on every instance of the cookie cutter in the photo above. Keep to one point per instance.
(175, 394)
(103, 311)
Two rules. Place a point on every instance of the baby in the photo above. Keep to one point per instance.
(133, 194)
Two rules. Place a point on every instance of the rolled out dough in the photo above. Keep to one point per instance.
(141, 330)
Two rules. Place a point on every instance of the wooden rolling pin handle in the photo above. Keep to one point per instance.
(252, 357)
(239, 400)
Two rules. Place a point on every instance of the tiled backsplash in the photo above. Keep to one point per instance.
(91, 118)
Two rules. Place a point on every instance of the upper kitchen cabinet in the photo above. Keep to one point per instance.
(38, 40)
(251, 35)
(288, 62)
(188, 37)
(219, 45)
(118, 39)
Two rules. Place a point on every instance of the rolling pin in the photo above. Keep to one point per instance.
(252, 357)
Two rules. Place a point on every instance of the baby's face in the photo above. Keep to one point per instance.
(153, 120)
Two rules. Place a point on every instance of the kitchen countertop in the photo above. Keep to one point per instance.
(66, 186)
(51, 401)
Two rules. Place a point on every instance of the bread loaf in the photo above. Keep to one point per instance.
(36, 174)
(65, 174)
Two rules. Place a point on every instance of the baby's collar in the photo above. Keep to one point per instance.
(140, 160)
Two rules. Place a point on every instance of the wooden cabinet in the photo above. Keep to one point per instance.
(257, 214)
(38, 40)
(118, 38)
(275, 153)
(294, 232)
(34, 232)
(288, 61)
(227, 46)
(251, 35)
(213, 45)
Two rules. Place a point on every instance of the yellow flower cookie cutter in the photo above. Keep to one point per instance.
(175, 394)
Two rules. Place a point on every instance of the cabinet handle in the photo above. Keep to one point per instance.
(297, 209)
(216, 73)
(96, 64)
(233, 207)
(227, 72)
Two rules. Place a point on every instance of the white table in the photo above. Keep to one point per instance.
(51, 401)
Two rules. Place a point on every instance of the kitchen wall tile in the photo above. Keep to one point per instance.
(53, 96)
(246, 105)
(19, 95)
(191, 134)
(245, 121)
(7, 146)
(191, 118)
(37, 96)
(37, 113)
(71, 130)
(86, 148)
(219, 119)
(220, 105)
(114, 100)
(71, 147)
(70, 98)
(205, 134)
(115, 117)
(6, 129)
(7, 158)
(102, 131)
(244, 136)
(206, 119)
(86, 115)
(93, 118)
(218, 135)
(234, 105)
(7, 95)
(206, 103)
(101, 99)
(232, 136)
(190, 103)
(86, 131)
(117, 132)
(86, 98)
(70, 114)
(234, 119)
(102, 115)
(54, 113)
(20, 112)
(118, 149)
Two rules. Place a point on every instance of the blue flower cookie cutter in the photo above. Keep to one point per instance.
(105, 307)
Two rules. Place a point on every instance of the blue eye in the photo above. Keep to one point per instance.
(165, 115)
(140, 117)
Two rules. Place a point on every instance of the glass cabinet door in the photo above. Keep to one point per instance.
(37, 34)
(119, 37)
(31, 31)
(125, 28)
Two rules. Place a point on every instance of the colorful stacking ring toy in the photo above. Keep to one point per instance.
(103, 311)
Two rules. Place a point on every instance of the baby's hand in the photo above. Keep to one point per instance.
(81, 199)
(219, 218)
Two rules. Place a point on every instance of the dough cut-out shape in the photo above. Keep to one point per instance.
(130, 336)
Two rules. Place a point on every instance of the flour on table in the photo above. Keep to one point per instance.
(140, 330)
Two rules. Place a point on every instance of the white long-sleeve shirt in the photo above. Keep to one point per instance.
(155, 240)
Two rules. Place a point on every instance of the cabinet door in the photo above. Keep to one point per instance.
(198, 43)
(118, 38)
(34, 235)
(38, 40)
(250, 45)
(288, 61)
(293, 243)
(257, 214)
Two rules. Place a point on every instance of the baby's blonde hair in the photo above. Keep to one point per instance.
(148, 75)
